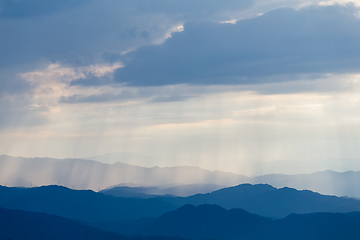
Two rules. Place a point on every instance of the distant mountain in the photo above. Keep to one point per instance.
(325, 182)
(148, 192)
(86, 205)
(214, 222)
(265, 200)
(82, 205)
(125, 157)
(191, 189)
(89, 174)
(21, 225)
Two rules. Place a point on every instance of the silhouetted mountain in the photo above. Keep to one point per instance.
(135, 192)
(21, 225)
(147, 192)
(84, 205)
(9, 193)
(214, 222)
(265, 200)
(210, 222)
(354, 214)
(88, 174)
(317, 226)
(122, 227)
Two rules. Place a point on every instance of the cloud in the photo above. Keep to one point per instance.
(79, 32)
(174, 98)
(277, 46)
(124, 96)
(98, 98)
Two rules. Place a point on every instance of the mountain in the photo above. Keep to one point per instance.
(86, 205)
(325, 182)
(130, 228)
(82, 205)
(89, 174)
(22, 225)
(191, 189)
(209, 222)
(317, 226)
(134, 192)
(354, 214)
(125, 157)
(265, 200)
(147, 192)
(214, 222)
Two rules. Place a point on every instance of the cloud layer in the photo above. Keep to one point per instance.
(277, 46)
(83, 32)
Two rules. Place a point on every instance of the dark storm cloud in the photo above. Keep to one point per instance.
(77, 32)
(282, 42)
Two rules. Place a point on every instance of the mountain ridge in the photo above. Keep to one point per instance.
(87, 205)
(90, 174)
(215, 222)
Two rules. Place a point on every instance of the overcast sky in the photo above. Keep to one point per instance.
(221, 84)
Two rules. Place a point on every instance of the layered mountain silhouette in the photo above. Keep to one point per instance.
(210, 222)
(180, 181)
(89, 174)
(135, 192)
(214, 222)
(22, 225)
(190, 222)
(265, 200)
(83, 205)
(242, 212)
(86, 205)
(148, 192)
(325, 182)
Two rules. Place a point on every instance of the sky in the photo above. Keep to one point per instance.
(225, 85)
